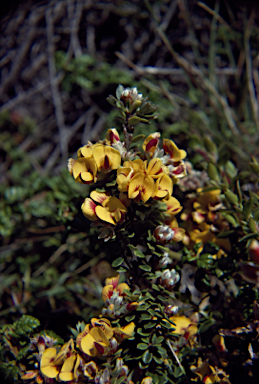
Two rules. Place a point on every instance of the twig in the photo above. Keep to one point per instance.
(75, 12)
(214, 14)
(249, 68)
(176, 358)
(148, 70)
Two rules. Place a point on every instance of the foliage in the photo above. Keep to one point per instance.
(168, 323)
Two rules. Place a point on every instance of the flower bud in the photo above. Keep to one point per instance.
(163, 234)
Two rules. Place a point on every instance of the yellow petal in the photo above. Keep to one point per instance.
(99, 197)
(29, 375)
(121, 288)
(124, 332)
(87, 345)
(114, 204)
(171, 148)
(84, 170)
(163, 187)
(114, 281)
(173, 206)
(82, 334)
(124, 174)
(181, 324)
(112, 136)
(85, 151)
(104, 325)
(46, 366)
(107, 292)
(66, 373)
(151, 143)
(88, 209)
(104, 214)
(154, 168)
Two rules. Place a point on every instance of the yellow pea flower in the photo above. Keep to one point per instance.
(112, 136)
(48, 366)
(151, 143)
(184, 326)
(112, 286)
(84, 170)
(163, 187)
(141, 187)
(173, 151)
(106, 157)
(95, 342)
(69, 368)
(173, 206)
(124, 332)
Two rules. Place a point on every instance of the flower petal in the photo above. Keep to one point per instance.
(89, 209)
(104, 214)
(107, 292)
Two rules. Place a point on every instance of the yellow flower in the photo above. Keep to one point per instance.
(137, 178)
(178, 232)
(207, 374)
(173, 206)
(112, 286)
(112, 136)
(106, 157)
(85, 151)
(151, 142)
(141, 187)
(111, 209)
(95, 342)
(163, 187)
(69, 368)
(184, 326)
(173, 151)
(48, 366)
(84, 170)
(124, 332)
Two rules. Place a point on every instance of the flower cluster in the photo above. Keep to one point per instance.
(143, 175)
(203, 219)
(98, 339)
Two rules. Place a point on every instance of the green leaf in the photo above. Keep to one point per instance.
(143, 307)
(248, 237)
(158, 360)
(150, 325)
(117, 262)
(138, 138)
(145, 316)
(142, 346)
(145, 268)
(147, 357)
(130, 318)
(248, 206)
